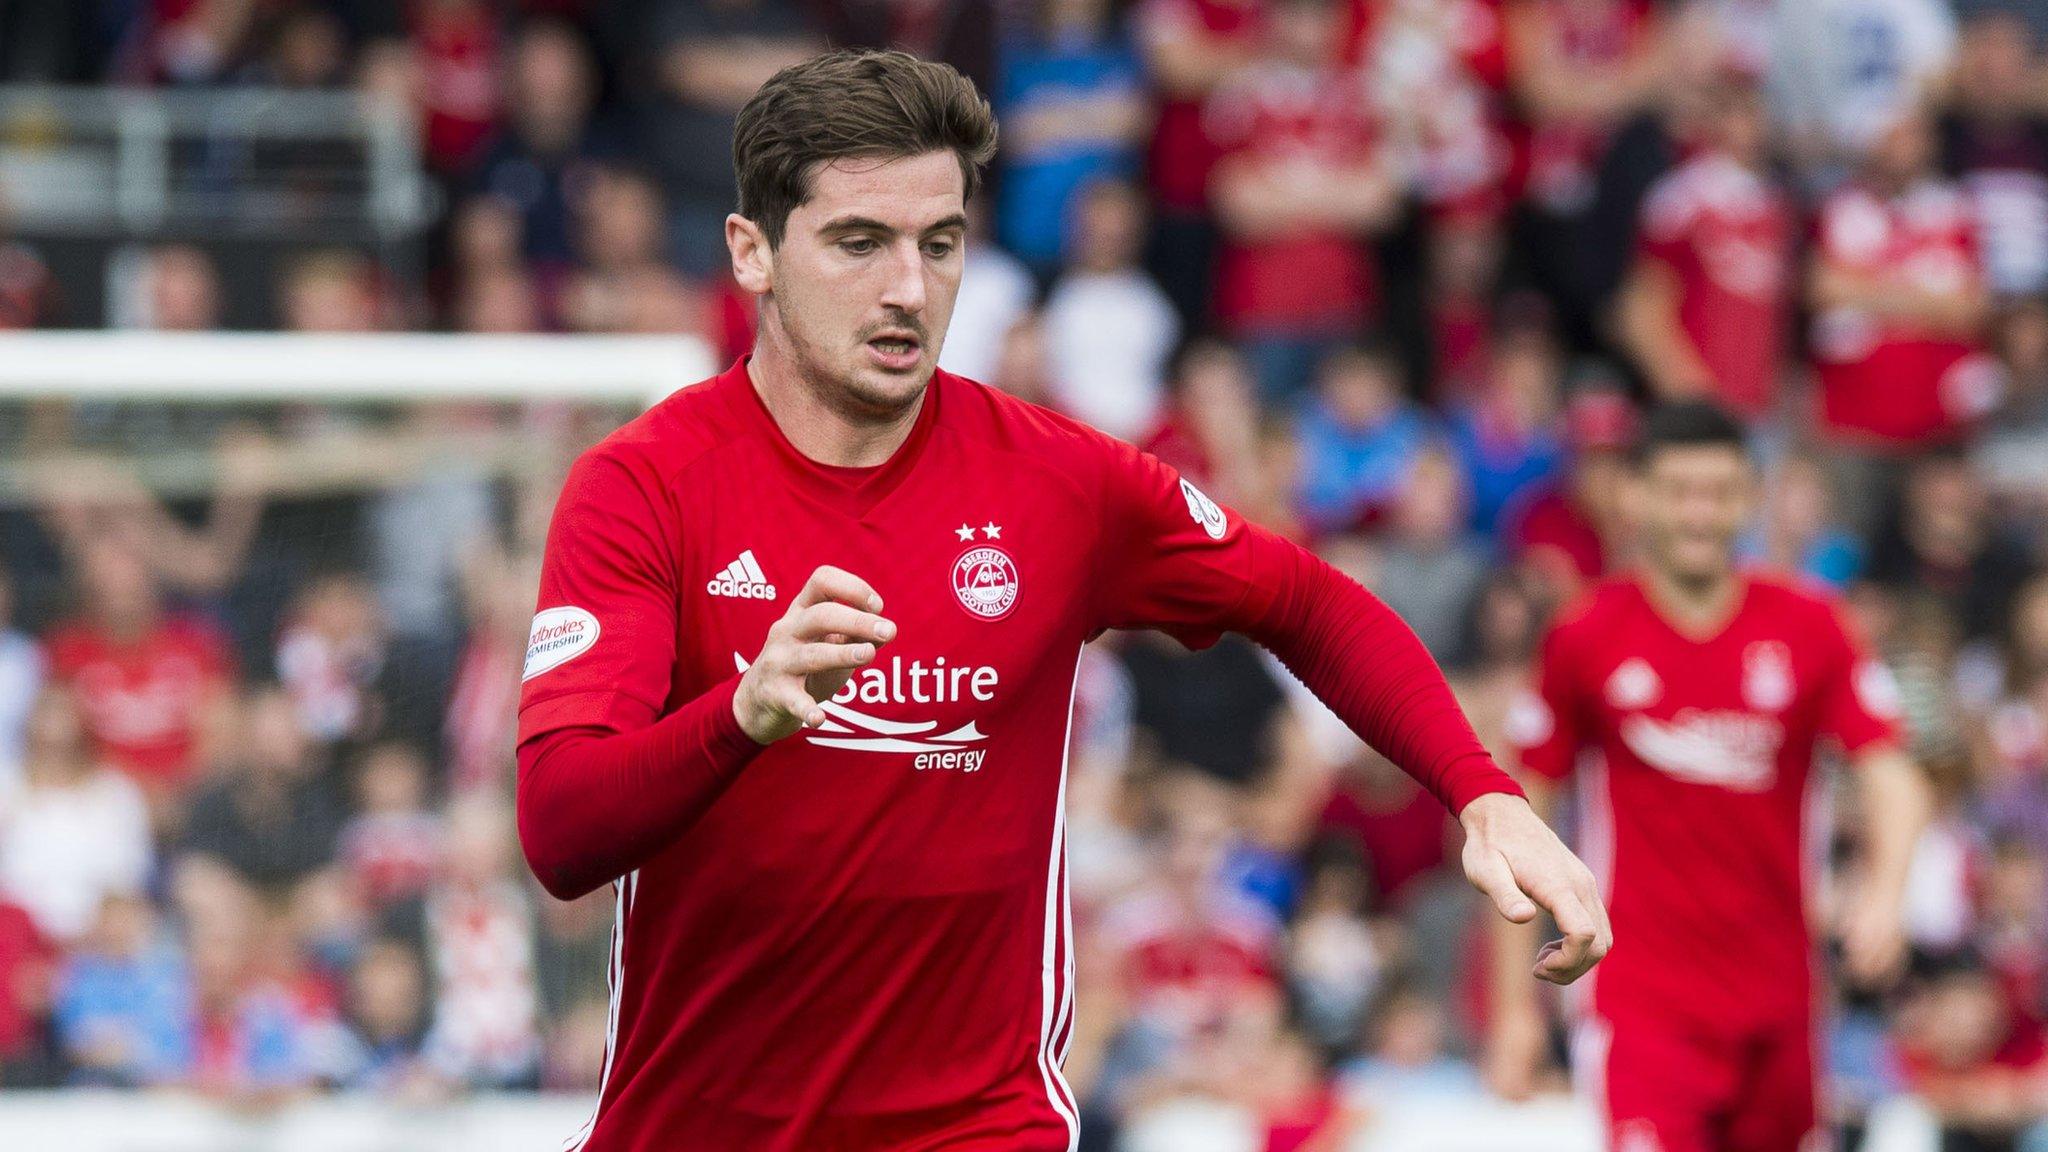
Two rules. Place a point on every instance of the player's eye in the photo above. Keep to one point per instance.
(939, 249)
(858, 246)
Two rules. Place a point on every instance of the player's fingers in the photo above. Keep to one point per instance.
(821, 621)
(829, 583)
(1575, 952)
(1489, 872)
(815, 657)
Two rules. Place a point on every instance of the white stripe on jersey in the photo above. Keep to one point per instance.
(753, 567)
(623, 890)
(1058, 992)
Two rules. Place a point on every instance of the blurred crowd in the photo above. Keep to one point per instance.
(1397, 277)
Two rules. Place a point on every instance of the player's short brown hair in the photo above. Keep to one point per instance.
(852, 103)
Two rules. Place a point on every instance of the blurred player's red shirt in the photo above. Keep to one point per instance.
(1726, 234)
(1694, 812)
(863, 943)
(1892, 382)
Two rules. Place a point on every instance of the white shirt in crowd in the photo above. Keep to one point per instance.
(1108, 336)
(21, 677)
(995, 293)
(65, 850)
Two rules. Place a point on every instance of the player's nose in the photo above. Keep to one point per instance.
(904, 289)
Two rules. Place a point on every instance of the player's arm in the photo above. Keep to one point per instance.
(608, 775)
(1859, 709)
(1896, 803)
(1193, 570)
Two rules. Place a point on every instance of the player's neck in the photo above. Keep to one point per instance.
(1694, 607)
(824, 432)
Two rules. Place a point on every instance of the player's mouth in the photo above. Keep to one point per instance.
(896, 351)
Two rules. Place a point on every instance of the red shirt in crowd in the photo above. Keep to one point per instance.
(1181, 154)
(1890, 382)
(1186, 969)
(1725, 234)
(1693, 816)
(142, 699)
(858, 937)
(1305, 281)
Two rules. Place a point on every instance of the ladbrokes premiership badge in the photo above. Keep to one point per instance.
(985, 582)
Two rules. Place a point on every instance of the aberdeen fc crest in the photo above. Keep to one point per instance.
(985, 582)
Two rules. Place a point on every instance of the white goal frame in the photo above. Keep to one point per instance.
(281, 366)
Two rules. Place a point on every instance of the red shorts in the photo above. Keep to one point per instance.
(1664, 1084)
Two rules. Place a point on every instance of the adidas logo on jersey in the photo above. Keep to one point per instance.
(742, 578)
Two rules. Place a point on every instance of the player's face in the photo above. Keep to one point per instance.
(1694, 501)
(862, 286)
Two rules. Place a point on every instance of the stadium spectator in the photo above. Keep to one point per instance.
(147, 678)
(1302, 181)
(1359, 438)
(387, 1016)
(180, 290)
(391, 847)
(996, 292)
(1994, 140)
(1799, 533)
(1506, 435)
(453, 49)
(962, 33)
(28, 963)
(1074, 110)
(705, 60)
(1430, 567)
(480, 940)
(1843, 71)
(1336, 955)
(1982, 1066)
(549, 138)
(270, 817)
(483, 702)
(1190, 48)
(1707, 307)
(1944, 542)
(1577, 70)
(1406, 1058)
(244, 1042)
(330, 649)
(330, 291)
(1109, 328)
(1897, 287)
(21, 676)
(72, 831)
(122, 999)
(1565, 532)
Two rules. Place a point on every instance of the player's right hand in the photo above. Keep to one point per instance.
(832, 628)
(1513, 856)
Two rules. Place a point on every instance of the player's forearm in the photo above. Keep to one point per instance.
(1363, 661)
(1897, 804)
(594, 805)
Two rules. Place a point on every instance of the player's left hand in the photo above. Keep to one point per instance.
(1514, 857)
(1873, 939)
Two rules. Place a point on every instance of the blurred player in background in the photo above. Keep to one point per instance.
(1697, 694)
(836, 837)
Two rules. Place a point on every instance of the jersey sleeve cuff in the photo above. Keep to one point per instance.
(1476, 777)
(728, 743)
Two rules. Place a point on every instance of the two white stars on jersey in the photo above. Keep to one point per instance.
(995, 531)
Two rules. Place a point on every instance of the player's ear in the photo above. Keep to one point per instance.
(753, 261)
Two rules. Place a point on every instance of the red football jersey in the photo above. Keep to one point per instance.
(141, 700)
(1726, 234)
(1694, 795)
(1291, 118)
(864, 942)
(1887, 382)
